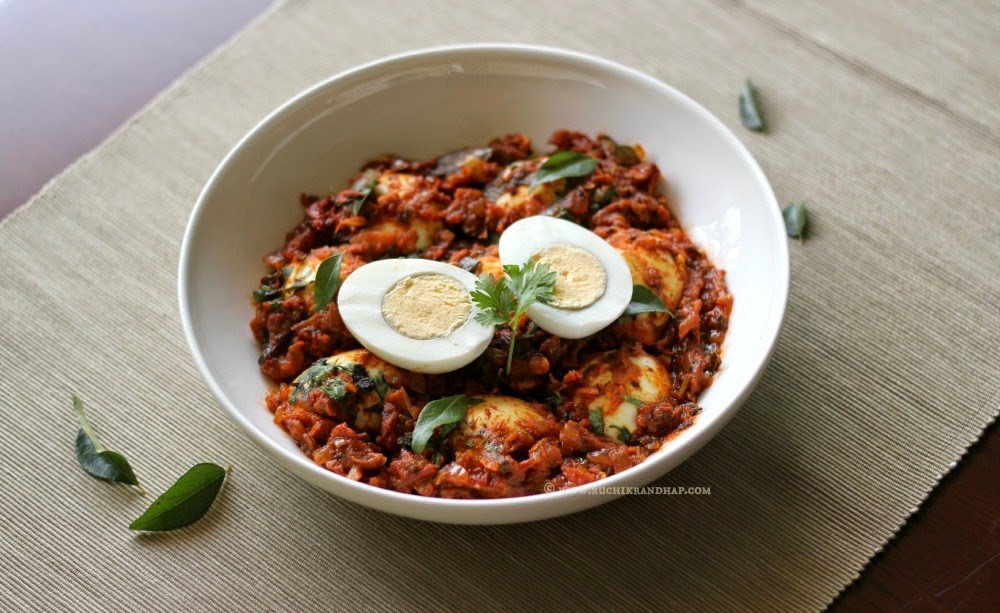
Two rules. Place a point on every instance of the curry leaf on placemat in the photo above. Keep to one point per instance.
(327, 281)
(95, 459)
(564, 164)
(441, 412)
(185, 502)
(750, 113)
(795, 220)
(645, 301)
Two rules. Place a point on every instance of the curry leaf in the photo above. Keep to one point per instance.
(645, 301)
(364, 186)
(749, 111)
(564, 164)
(795, 220)
(443, 412)
(186, 501)
(95, 459)
(327, 282)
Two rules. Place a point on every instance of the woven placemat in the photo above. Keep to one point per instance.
(885, 373)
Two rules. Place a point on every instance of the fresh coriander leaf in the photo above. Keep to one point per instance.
(645, 301)
(186, 501)
(623, 433)
(327, 282)
(632, 400)
(443, 412)
(496, 303)
(381, 386)
(287, 272)
(597, 422)
(502, 302)
(313, 377)
(562, 165)
(795, 220)
(749, 111)
(365, 185)
(335, 389)
(95, 459)
(531, 282)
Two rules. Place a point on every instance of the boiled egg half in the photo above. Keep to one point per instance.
(416, 314)
(593, 282)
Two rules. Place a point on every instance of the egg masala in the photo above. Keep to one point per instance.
(600, 326)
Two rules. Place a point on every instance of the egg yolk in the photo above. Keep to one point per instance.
(426, 306)
(580, 278)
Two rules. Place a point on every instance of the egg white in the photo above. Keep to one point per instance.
(360, 304)
(524, 238)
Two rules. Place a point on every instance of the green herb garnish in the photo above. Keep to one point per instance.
(623, 433)
(365, 185)
(327, 282)
(602, 197)
(265, 293)
(632, 400)
(335, 389)
(562, 165)
(645, 301)
(95, 459)
(443, 412)
(185, 502)
(749, 111)
(597, 422)
(503, 301)
(795, 220)
(381, 386)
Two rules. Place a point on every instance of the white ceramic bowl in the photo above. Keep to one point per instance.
(420, 105)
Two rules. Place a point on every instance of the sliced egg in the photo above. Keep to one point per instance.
(414, 313)
(593, 282)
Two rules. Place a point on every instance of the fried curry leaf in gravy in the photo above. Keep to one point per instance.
(186, 501)
(364, 186)
(327, 282)
(563, 165)
(645, 301)
(95, 459)
(442, 412)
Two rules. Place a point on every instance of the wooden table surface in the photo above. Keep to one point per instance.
(72, 72)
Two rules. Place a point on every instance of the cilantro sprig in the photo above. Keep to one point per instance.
(504, 301)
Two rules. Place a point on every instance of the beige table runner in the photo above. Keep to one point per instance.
(886, 371)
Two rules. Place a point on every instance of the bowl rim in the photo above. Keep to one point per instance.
(424, 507)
